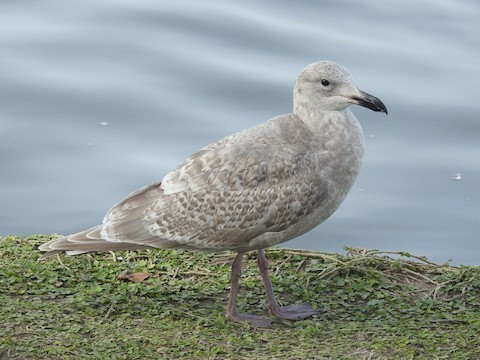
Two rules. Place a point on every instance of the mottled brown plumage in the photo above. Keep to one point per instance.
(254, 189)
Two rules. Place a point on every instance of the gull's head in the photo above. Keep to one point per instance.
(328, 86)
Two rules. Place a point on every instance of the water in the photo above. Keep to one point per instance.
(98, 98)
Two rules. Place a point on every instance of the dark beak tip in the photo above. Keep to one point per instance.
(383, 109)
(371, 102)
(381, 106)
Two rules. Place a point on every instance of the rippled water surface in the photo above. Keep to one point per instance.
(98, 98)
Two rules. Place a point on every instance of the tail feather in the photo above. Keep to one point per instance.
(84, 242)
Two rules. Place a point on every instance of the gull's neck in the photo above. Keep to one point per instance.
(318, 119)
(337, 131)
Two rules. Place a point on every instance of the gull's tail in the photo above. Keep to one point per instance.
(83, 242)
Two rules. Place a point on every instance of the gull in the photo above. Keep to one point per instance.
(248, 191)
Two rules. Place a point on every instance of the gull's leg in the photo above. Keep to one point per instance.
(291, 312)
(231, 311)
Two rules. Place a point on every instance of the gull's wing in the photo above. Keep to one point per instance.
(264, 179)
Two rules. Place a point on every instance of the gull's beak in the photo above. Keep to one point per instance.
(369, 101)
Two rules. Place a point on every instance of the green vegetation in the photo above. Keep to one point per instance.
(376, 306)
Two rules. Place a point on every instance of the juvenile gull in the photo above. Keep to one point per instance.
(251, 190)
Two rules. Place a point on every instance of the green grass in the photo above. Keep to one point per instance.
(376, 306)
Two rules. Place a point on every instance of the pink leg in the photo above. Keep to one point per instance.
(291, 312)
(231, 311)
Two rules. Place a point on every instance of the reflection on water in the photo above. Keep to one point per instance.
(98, 100)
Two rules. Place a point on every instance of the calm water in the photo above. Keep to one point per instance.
(98, 98)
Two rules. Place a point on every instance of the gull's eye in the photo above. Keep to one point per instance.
(325, 82)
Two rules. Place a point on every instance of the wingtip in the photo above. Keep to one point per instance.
(49, 254)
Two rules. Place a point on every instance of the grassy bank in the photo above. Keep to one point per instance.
(376, 307)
